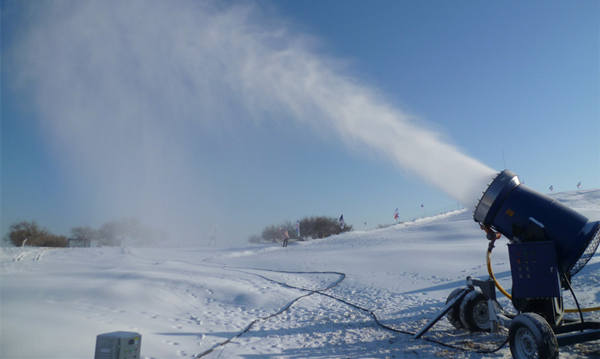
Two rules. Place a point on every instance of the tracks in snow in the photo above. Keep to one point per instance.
(285, 308)
(341, 276)
(480, 348)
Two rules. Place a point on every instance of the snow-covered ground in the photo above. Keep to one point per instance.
(184, 302)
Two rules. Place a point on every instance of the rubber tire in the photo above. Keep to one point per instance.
(474, 305)
(531, 329)
(453, 315)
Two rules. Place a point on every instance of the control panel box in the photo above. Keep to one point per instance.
(118, 345)
(534, 270)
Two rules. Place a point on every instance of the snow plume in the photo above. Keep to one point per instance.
(126, 89)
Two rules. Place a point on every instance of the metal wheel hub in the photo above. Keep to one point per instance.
(481, 314)
(525, 344)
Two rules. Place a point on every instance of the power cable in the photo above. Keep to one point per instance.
(341, 300)
(566, 279)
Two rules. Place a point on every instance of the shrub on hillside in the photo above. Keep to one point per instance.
(30, 234)
(310, 227)
(84, 233)
(321, 227)
(271, 234)
(275, 233)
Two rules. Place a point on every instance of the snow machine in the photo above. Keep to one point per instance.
(548, 244)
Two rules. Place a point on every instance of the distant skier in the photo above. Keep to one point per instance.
(286, 237)
(341, 220)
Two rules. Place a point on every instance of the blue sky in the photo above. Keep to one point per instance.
(496, 77)
(510, 84)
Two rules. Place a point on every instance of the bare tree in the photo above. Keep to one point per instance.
(30, 234)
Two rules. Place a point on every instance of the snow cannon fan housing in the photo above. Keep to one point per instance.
(523, 215)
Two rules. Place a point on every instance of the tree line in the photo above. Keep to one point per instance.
(113, 233)
(132, 232)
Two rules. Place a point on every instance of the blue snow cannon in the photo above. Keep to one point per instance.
(523, 216)
(548, 244)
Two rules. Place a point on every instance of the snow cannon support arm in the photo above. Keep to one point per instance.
(491, 235)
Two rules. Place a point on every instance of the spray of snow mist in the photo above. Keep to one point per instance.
(122, 86)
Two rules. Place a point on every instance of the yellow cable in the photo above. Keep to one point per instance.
(503, 291)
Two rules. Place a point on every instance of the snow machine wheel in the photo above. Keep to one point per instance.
(531, 336)
(474, 314)
(453, 315)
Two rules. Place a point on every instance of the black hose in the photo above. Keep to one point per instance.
(342, 276)
(566, 279)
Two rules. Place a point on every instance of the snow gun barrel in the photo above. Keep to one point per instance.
(523, 215)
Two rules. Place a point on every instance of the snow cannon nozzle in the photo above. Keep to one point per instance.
(502, 184)
(524, 215)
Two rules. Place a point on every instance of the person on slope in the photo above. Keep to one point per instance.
(286, 237)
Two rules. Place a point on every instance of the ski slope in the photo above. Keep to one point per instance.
(312, 299)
